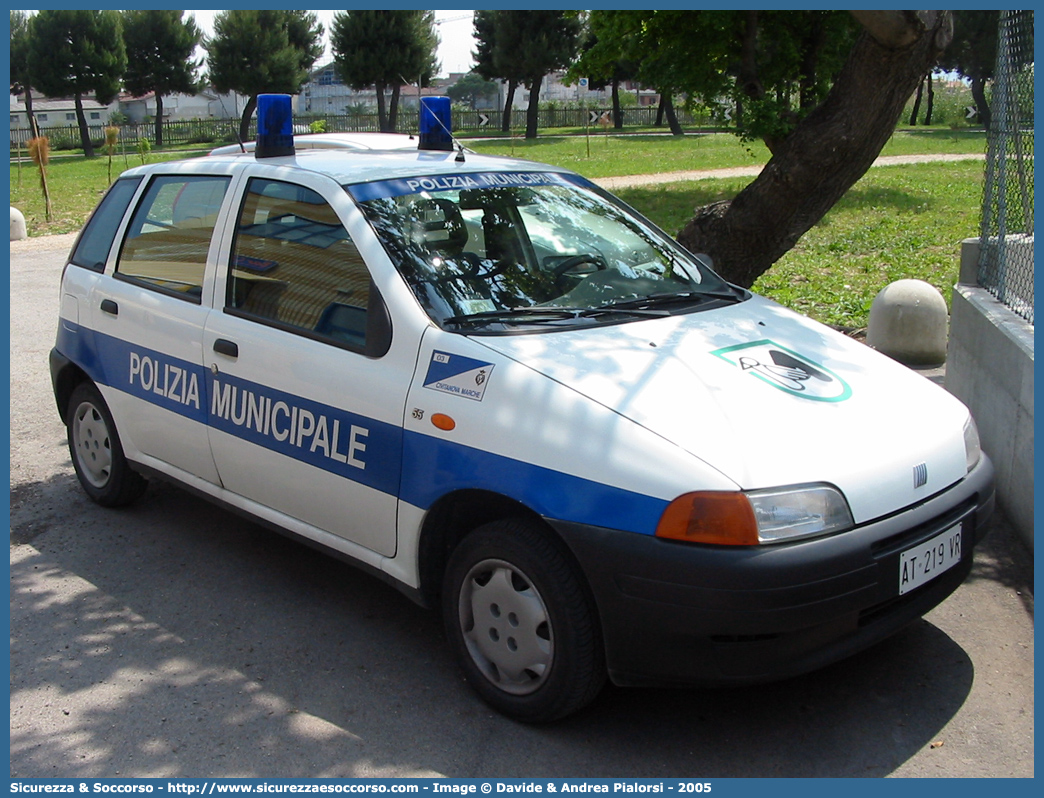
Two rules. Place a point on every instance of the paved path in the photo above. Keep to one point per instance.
(630, 181)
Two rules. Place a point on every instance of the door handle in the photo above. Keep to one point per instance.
(108, 306)
(225, 347)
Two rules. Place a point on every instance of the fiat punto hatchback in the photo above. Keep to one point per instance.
(493, 385)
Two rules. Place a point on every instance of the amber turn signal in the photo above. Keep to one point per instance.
(718, 517)
(443, 422)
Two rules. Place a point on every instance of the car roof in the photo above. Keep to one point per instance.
(346, 141)
(347, 165)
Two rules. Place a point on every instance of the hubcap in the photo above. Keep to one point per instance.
(506, 627)
(91, 442)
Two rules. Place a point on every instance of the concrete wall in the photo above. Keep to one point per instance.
(990, 368)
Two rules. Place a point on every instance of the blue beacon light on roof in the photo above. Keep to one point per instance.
(275, 126)
(436, 124)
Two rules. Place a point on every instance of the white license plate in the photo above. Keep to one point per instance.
(927, 560)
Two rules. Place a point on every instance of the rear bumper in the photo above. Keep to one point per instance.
(677, 613)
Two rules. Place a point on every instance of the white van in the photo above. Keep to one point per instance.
(495, 386)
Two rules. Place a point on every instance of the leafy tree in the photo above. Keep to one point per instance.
(625, 41)
(973, 54)
(382, 49)
(763, 69)
(21, 79)
(822, 90)
(485, 29)
(529, 44)
(470, 89)
(604, 67)
(77, 52)
(825, 151)
(257, 52)
(160, 45)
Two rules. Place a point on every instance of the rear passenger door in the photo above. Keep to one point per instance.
(306, 403)
(148, 319)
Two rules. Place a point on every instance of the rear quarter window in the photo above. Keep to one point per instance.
(92, 247)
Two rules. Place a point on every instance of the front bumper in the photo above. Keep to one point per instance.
(679, 613)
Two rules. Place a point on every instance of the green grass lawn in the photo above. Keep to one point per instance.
(611, 156)
(898, 221)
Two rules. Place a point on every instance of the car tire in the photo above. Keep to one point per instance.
(521, 622)
(97, 455)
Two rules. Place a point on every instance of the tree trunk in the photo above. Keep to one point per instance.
(505, 120)
(659, 112)
(85, 133)
(931, 100)
(382, 112)
(34, 127)
(393, 109)
(244, 122)
(827, 152)
(917, 104)
(811, 48)
(532, 112)
(982, 108)
(672, 118)
(159, 120)
(617, 110)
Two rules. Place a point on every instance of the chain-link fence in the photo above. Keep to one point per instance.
(1006, 250)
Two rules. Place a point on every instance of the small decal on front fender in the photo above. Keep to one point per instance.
(458, 375)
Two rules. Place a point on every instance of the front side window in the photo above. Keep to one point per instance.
(509, 252)
(169, 236)
(295, 266)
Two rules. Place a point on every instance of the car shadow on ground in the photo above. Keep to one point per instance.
(172, 638)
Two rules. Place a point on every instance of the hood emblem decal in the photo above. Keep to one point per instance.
(786, 370)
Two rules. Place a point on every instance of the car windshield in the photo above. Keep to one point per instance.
(496, 252)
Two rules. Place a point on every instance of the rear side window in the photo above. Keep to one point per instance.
(169, 236)
(92, 247)
(294, 266)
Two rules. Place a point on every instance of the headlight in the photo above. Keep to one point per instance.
(972, 447)
(757, 517)
(799, 512)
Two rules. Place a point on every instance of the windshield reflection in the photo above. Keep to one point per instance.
(483, 257)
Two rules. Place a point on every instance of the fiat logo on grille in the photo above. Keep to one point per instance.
(920, 475)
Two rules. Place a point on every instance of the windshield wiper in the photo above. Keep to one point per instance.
(536, 314)
(678, 297)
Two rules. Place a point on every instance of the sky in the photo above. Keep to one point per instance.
(454, 29)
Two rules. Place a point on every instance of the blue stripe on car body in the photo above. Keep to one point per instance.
(416, 467)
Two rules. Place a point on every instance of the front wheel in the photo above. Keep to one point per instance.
(103, 471)
(521, 624)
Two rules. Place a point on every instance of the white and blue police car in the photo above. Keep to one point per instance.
(493, 385)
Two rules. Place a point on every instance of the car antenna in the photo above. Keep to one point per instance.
(235, 130)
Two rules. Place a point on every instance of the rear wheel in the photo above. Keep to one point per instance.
(97, 455)
(521, 623)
